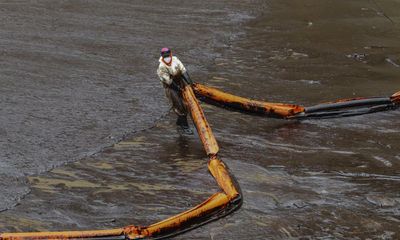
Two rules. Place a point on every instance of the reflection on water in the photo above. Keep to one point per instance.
(336, 178)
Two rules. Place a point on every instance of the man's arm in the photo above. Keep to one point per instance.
(185, 73)
(187, 78)
(164, 76)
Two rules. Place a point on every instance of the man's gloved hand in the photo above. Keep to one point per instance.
(186, 78)
(175, 86)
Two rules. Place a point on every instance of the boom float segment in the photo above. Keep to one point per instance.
(199, 120)
(339, 108)
(219, 98)
(218, 205)
(396, 98)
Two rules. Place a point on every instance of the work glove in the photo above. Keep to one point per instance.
(175, 86)
(186, 78)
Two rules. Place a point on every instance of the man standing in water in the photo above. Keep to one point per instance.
(174, 76)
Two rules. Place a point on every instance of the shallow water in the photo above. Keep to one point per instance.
(336, 178)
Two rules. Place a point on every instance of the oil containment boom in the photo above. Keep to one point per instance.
(229, 198)
(339, 108)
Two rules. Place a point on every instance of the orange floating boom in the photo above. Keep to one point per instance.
(220, 98)
(207, 137)
(396, 98)
(339, 108)
(222, 203)
(218, 205)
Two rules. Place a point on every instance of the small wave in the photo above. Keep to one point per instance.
(392, 62)
(311, 82)
(369, 176)
(386, 162)
(343, 152)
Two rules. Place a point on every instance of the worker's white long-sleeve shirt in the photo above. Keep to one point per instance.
(165, 72)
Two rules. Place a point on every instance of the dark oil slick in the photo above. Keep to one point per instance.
(77, 76)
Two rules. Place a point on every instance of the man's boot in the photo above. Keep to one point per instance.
(183, 123)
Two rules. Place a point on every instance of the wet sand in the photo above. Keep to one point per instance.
(335, 178)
